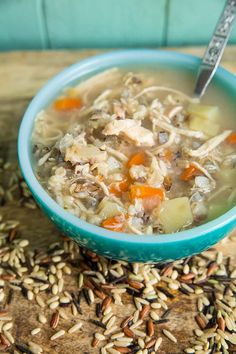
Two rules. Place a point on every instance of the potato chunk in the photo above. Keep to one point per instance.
(175, 214)
(108, 209)
(204, 118)
(207, 112)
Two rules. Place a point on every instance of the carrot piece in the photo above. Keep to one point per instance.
(117, 188)
(67, 104)
(143, 191)
(149, 203)
(190, 172)
(167, 155)
(137, 159)
(115, 223)
(231, 138)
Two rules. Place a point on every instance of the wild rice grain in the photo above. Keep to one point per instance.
(7, 326)
(75, 328)
(119, 343)
(35, 348)
(154, 316)
(4, 341)
(58, 334)
(35, 331)
(128, 332)
(113, 351)
(122, 349)
(9, 337)
(150, 343)
(42, 319)
(54, 305)
(40, 301)
(111, 322)
(144, 312)
(189, 351)
(125, 322)
(169, 335)
(150, 328)
(55, 320)
(54, 289)
(99, 336)
(118, 335)
(95, 342)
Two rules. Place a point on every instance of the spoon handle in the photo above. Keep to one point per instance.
(215, 48)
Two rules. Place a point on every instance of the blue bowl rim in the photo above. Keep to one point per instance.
(63, 78)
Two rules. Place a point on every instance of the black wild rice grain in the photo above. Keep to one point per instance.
(119, 280)
(164, 320)
(166, 313)
(165, 291)
(23, 349)
(24, 291)
(39, 280)
(9, 297)
(97, 323)
(134, 292)
(99, 310)
(184, 291)
(86, 296)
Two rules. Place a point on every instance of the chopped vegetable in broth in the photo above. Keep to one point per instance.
(124, 152)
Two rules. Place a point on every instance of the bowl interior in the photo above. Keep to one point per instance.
(81, 71)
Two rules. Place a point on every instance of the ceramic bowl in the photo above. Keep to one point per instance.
(133, 248)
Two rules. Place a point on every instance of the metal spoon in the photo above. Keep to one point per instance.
(215, 49)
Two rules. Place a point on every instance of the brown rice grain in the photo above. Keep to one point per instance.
(128, 332)
(144, 312)
(54, 320)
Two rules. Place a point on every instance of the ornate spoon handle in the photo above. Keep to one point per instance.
(216, 48)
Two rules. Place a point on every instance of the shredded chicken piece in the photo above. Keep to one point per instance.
(77, 154)
(140, 136)
(168, 89)
(186, 132)
(132, 130)
(203, 170)
(133, 228)
(209, 145)
(83, 208)
(99, 183)
(115, 127)
(115, 153)
(102, 96)
(169, 142)
(174, 111)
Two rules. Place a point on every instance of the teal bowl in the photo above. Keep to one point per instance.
(133, 248)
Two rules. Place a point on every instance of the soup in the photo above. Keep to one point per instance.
(132, 152)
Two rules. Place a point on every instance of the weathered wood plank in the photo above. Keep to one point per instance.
(25, 73)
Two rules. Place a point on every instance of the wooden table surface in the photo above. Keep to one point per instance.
(22, 75)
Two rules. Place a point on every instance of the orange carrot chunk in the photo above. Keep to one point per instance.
(115, 223)
(190, 172)
(137, 159)
(143, 191)
(67, 104)
(117, 188)
(167, 155)
(231, 138)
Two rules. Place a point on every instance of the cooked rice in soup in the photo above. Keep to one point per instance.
(124, 152)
